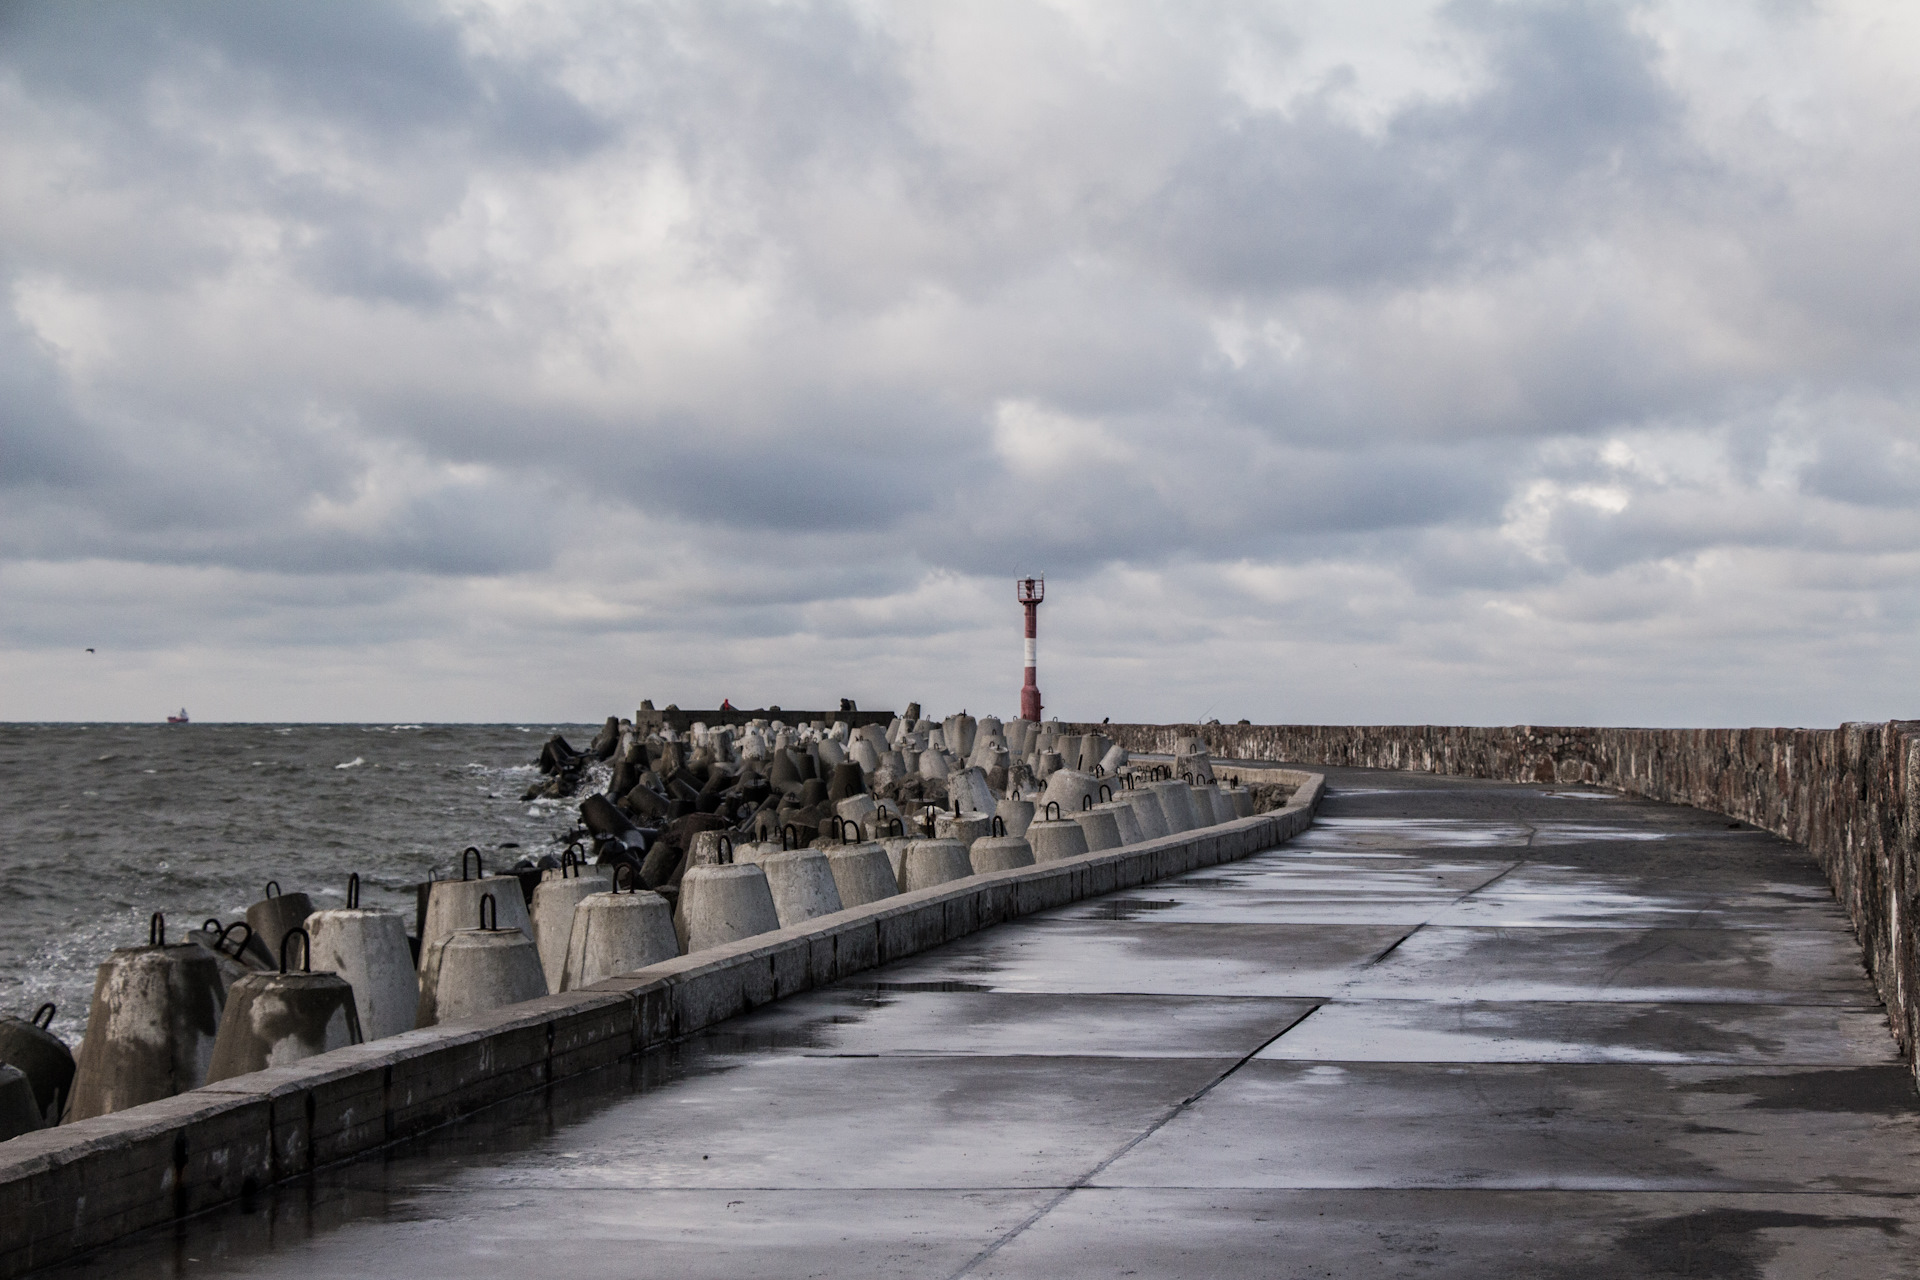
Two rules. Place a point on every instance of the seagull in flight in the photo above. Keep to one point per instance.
(89, 651)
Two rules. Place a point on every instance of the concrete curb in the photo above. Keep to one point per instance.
(79, 1186)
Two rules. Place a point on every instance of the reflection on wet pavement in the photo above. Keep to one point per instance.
(1457, 1029)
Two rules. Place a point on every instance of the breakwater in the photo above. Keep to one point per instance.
(72, 1188)
(1851, 795)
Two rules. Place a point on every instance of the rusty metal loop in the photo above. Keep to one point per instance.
(306, 949)
(486, 900)
(43, 1016)
(273, 888)
(725, 850)
(220, 942)
(998, 826)
(633, 878)
(1052, 811)
(353, 891)
(479, 864)
(157, 930)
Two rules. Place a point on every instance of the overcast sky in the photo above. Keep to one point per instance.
(1477, 362)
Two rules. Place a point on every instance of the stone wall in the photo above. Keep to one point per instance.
(1848, 794)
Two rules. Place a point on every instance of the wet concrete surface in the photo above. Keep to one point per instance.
(1457, 1029)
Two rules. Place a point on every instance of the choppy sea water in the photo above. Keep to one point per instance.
(101, 825)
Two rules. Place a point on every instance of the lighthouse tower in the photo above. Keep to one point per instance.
(1031, 591)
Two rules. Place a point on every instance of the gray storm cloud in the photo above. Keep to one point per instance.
(1476, 361)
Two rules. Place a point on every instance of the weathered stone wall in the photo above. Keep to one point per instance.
(1847, 794)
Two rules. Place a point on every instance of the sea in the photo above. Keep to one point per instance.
(101, 825)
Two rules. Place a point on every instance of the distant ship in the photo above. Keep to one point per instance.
(179, 719)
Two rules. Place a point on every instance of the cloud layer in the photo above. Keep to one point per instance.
(1467, 362)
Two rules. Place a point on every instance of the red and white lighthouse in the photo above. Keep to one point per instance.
(1031, 592)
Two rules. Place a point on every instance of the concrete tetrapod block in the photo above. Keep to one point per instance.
(1017, 814)
(471, 971)
(150, 1031)
(1123, 819)
(554, 900)
(1101, 828)
(1223, 810)
(933, 763)
(931, 862)
(1055, 839)
(965, 829)
(999, 853)
(968, 787)
(233, 962)
(896, 847)
(845, 781)
(1093, 749)
(19, 1108)
(1114, 761)
(1242, 800)
(1148, 814)
(1071, 789)
(274, 915)
(961, 733)
(277, 1019)
(860, 809)
(723, 904)
(802, 885)
(616, 933)
(865, 755)
(455, 904)
(1175, 804)
(42, 1057)
(862, 873)
(1198, 763)
(368, 947)
(1204, 812)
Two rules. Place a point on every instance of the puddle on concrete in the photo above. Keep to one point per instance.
(1576, 832)
(1410, 833)
(1547, 1032)
(1126, 908)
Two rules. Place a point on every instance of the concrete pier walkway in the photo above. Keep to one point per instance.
(1458, 1029)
